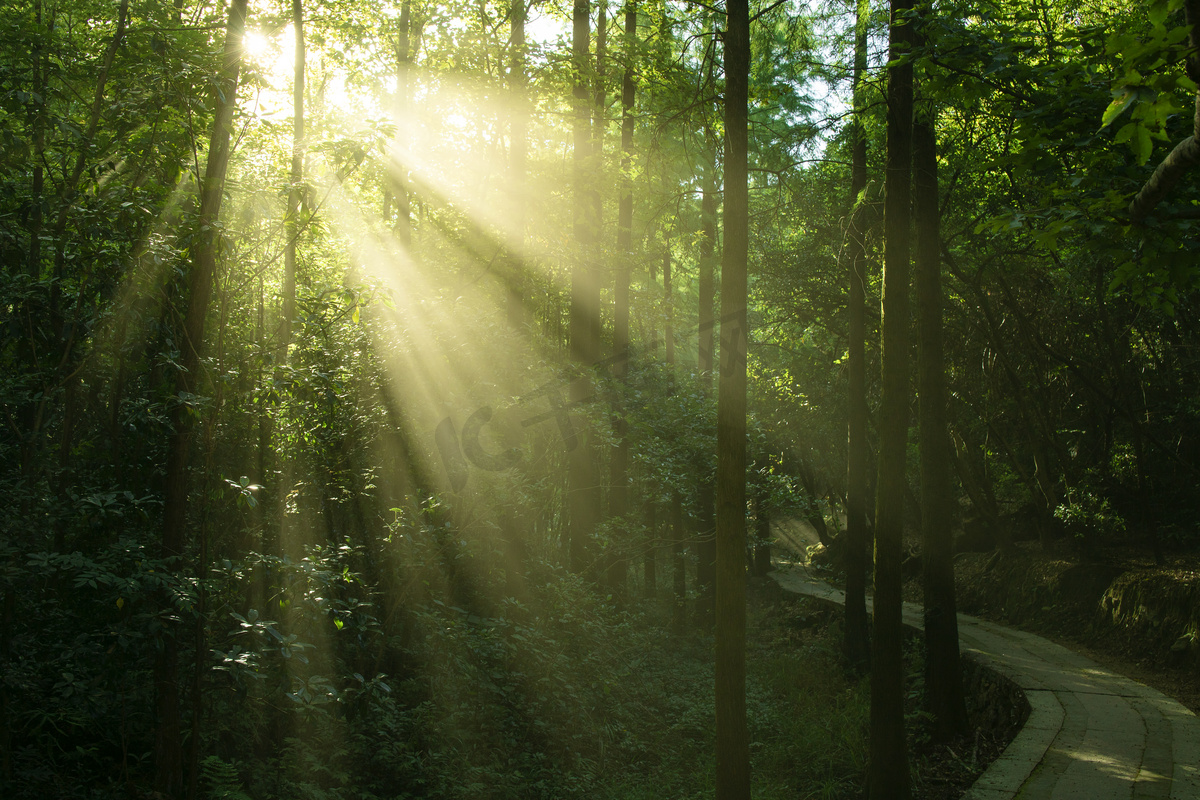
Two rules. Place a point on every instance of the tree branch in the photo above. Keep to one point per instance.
(1187, 152)
(767, 10)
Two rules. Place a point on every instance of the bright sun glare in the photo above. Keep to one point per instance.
(256, 44)
(273, 57)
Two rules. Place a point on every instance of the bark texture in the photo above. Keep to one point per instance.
(619, 464)
(706, 522)
(733, 744)
(943, 673)
(583, 493)
(296, 191)
(887, 775)
(857, 644)
(518, 316)
(400, 187)
(168, 752)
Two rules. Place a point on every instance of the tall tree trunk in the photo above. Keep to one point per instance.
(8, 604)
(582, 490)
(599, 102)
(619, 465)
(650, 569)
(678, 543)
(943, 673)
(887, 775)
(71, 186)
(614, 567)
(65, 373)
(30, 314)
(38, 140)
(518, 316)
(857, 644)
(268, 532)
(32, 311)
(678, 565)
(399, 183)
(761, 554)
(168, 754)
(733, 744)
(296, 192)
(706, 523)
(650, 555)
(284, 476)
(512, 531)
(668, 304)
(200, 652)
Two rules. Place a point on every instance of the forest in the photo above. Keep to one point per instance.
(410, 398)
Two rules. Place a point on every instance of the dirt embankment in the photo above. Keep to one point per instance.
(1142, 620)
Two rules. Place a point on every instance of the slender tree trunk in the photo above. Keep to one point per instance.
(31, 312)
(38, 137)
(651, 506)
(284, 475)
(168, 754)
(857, 644)
(30, 315)
(399, 184)
(518, 315)
(71, 186)
(8, 606)
(65, 370)
(200, 635)
(650, 555)
(977, 488)
(733, 743)
(613, 566)
(582, 490)
(678, 543)
(668, 304)
(516, 553)
(678, 565)
(599, 102)
(116, 400)
(268, 532)
(706, 523)
(296, 192)
(887, 776)
(943, 673)
(761, 558)
(619, 473)
(1041, 483)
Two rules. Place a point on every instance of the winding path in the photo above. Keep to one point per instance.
(1091, 734)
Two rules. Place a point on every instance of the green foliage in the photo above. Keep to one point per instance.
(1089, 518)
(1153, 91)
(346, 618)
(222, 780)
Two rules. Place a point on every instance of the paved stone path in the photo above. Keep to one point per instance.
(1091, 734)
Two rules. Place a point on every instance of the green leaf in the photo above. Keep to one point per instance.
(1142, 145)
(1158, 13)
(1117, 106)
